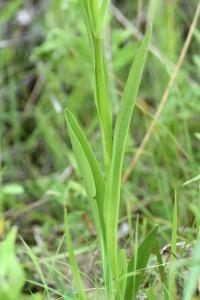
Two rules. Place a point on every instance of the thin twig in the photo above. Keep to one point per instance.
(165, 96)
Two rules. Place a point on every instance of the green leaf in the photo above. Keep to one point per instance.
(37, 266)
(11, 273)
(73, 262)
(160, 260)
(197, 178)
(82, 161)
(143, 254)
(150, 294)
(173, 267)
(112, 196)
(174, 227)
(13, 189)
(87, 163)
(193, 276)
(123, 272)
(90, 172)
(93, 180)
(103, 11)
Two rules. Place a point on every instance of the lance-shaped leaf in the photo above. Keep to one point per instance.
(87, 163)
(112, 195)
(11, 272)
(143, 253)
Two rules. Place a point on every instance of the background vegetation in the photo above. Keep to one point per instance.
(45, 66)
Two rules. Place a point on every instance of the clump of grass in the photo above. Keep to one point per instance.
(103, 185)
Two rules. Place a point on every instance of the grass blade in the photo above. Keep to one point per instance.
(160, 260)
(174, 227)
(143, 254)
(172, 269)
(73, 262)
(196, 178)
(193, 277)
(37, 267)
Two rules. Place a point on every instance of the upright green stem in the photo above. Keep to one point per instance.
(103, 98)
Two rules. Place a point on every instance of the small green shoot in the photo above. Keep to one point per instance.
(143, 254)
(37, 267)
(172, 269)
(72, 259)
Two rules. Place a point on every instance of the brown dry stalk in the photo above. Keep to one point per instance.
(165, 96)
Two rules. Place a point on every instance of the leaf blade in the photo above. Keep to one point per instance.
(112, 195)
(143, 254)
(96, 177)
(11, 271)
(72, 259)
(90, 171)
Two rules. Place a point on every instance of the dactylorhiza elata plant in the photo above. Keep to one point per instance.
(103, 186)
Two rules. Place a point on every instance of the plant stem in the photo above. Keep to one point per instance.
(103, 100)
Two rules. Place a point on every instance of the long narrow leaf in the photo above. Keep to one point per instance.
(103, 12)
(87, 163)
(94, 183)
(143, 254)
(72, 259)
(123, 278)
(112, 196)
(172, 271)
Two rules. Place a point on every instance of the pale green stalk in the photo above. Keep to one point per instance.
(94, 16)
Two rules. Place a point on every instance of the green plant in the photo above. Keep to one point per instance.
(12, 274)
(103, 186)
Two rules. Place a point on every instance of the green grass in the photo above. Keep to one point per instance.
(80, 55)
